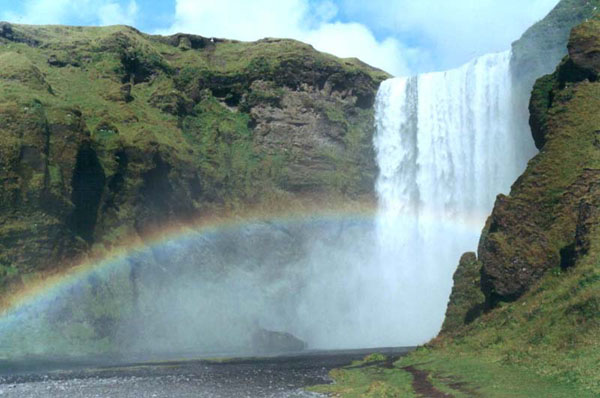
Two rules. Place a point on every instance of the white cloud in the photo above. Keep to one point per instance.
(40, 12)
(115, 14)
(239, 19)
(77, 12)
(399, 36)
(355, 40)
(327, 10)
(454, 31)
(413, 35)
(296, 19)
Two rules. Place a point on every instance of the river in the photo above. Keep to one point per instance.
(270, 377)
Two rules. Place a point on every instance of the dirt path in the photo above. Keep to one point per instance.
(423, 386)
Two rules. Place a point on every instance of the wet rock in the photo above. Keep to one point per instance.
(268, 341)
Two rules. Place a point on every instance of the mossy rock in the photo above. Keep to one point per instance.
(538, 227)
(166, 129)
(15, 67)
(466, 300)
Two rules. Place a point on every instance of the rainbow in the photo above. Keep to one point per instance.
(50, 285)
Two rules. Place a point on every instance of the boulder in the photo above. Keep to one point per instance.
(270, 342)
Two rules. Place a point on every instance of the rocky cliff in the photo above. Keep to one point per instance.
(545, 222)
(530, 296)
(544, 44)
(108, 133)
(534, 228)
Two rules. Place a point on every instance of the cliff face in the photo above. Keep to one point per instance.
(548, 222)
(530, 300)
(108, 132)
(466, 298)
(544, 44)
(542, 225)
(532, 230)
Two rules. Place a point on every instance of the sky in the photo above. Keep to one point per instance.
(403, 37)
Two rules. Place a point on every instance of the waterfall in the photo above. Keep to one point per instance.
(447, 143)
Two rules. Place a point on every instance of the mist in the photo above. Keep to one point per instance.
(207, 293)
(318, 282)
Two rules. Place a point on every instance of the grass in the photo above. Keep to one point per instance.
(369, 381)
(543, 345)
(487, 378)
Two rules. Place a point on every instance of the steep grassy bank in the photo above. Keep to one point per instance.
(524, 316)
(544, 345)
(108, 134)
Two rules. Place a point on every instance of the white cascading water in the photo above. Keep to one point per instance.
(447, 143)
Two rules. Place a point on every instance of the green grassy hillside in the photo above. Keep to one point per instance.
(108, 133)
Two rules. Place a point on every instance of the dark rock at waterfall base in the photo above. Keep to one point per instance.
(270, 342)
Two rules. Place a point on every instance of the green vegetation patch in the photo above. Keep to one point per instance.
(225, 152)
(466, 301)
(366, 380)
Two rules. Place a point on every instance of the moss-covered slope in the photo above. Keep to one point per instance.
(544, 44)
(108, 132)
(539, 254)
(524, 315)
(541, 225)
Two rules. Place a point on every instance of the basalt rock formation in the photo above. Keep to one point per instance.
(108, 133)
(549, 220)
